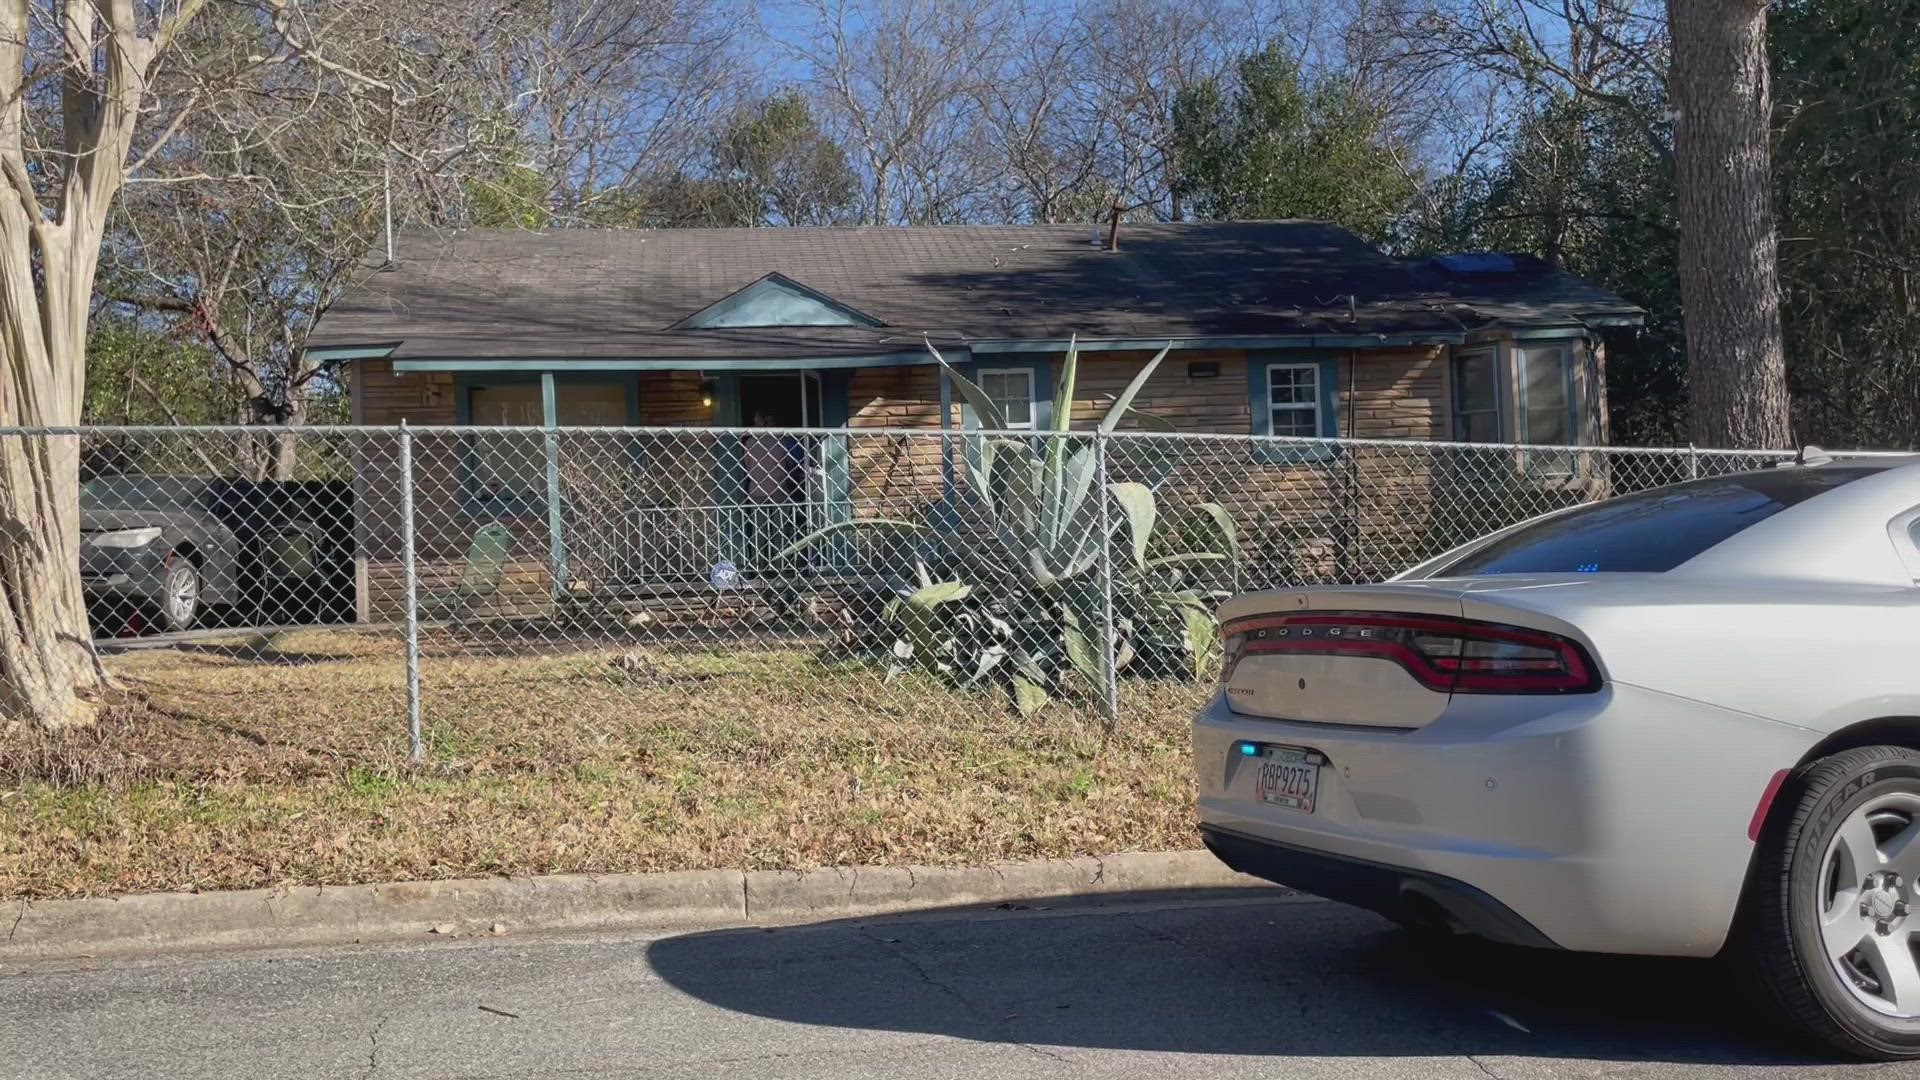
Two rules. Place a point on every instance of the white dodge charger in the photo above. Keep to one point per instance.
(1680, 722)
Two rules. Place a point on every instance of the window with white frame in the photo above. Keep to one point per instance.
(1293, 400)
(1011, 390)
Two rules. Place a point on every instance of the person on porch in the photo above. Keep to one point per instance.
(772, 492)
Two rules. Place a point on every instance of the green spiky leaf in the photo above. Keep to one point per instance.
(1228, 535)
(818, 535)
(1201, 632)
(1029, 697)
(1118, 410)
(984, 409)
(1083, 653)
(1136, 502)
(943, 592)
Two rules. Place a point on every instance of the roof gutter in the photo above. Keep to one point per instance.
(916, 358)
(1299, 341)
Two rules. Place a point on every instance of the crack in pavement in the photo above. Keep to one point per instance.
(373, 1047)
(1002, 1026)
(16, 922)
(1481, 1065)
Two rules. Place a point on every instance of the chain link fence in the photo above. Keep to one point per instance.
(435, 572)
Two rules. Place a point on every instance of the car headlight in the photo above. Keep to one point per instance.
(124, 538)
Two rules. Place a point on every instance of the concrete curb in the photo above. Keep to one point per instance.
(260, 918)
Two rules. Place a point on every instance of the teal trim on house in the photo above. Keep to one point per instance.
(836, 463)
(1548, 333)
(556, 507)
(949, 511)
(911, 358)
(351, 352)
(775, 300)
(1260, 393)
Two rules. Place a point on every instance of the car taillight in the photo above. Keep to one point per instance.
(1451, 656)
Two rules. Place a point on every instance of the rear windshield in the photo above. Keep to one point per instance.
(1652, 531)
(143, 492)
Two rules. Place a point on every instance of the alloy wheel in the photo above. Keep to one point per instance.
(183, 594)
(1869, 904)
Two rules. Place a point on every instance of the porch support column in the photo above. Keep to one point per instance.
(948, 512)
(729, 471)
(556, 538)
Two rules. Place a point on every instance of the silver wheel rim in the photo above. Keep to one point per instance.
(1868, 907)
(183, 593)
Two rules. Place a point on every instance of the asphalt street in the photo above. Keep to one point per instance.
(1138, 986)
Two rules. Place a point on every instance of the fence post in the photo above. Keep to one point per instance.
(415, 746)
(1109, 666)
(1693, 462)
(556, 512)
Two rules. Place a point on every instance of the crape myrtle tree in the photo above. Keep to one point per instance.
(97, 96)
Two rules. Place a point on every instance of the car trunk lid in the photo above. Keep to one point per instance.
(1389, 655)
(1267, 681)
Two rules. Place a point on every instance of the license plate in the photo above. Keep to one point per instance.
(1289, 777)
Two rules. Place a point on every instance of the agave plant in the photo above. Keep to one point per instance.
(1020, 602)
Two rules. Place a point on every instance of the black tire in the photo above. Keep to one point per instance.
(174, 609)
(1779, 935)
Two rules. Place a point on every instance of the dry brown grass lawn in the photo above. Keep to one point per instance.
(230, 768)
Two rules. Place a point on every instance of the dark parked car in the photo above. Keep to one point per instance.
(165, 549)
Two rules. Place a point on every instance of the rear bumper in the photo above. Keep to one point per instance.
(1408, 896)
(1606, 822)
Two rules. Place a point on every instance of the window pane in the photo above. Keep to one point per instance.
(1293, 386)
(516, 405)
(519, 404)
(1293, 401)
(1474, 387)
(1011, 392)
(1545, 371)
(512, 469)
(1296, 423)
(1477, 427)
(1653, 531)
(589, 404)
(507, 468)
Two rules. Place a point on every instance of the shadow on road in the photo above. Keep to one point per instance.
(1219, 975)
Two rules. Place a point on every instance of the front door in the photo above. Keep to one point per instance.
(793, 481)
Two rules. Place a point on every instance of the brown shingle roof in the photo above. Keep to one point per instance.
(618, 293)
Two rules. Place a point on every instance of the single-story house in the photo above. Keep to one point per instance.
(1289, 328)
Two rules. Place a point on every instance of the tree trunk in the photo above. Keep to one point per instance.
(48, 258)
(286, 451)
(1729, 282)
(47, 667)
